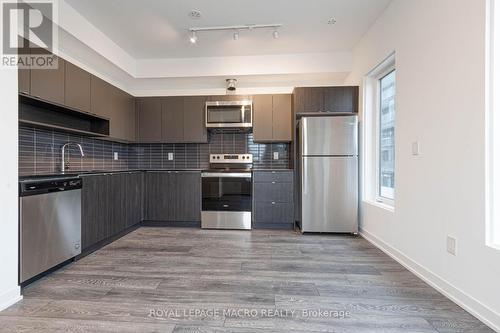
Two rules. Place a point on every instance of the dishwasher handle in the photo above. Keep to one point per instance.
(49, 186)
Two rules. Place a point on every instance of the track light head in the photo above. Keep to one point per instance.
(193, 39)
(236, 35)
(276, 34)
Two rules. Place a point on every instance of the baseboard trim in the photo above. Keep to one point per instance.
(10, 297)
(175, 224)
(275, 226)
(464, 300)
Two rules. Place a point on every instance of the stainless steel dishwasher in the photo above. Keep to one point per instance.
(50, 223)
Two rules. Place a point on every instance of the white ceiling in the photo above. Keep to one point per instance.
(158, 29)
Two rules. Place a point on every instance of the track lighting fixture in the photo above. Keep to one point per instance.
(236, 28)
(193, 39)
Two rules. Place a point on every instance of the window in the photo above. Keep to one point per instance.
(379, 134)
(387, 95)
(493, 127)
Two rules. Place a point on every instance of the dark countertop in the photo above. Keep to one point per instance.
(73, 174)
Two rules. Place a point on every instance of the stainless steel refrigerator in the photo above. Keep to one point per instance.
(328, 173)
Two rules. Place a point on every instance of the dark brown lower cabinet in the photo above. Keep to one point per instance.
(173, 196)
(273, 206)
(111, 203)
(95, 209)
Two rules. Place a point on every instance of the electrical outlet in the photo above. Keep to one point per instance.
(451, 245)
(115, 156)
(415, 148)
(276, 155)
(170, 156)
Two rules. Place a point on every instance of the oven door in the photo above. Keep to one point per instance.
(229, 114)
(227, 192)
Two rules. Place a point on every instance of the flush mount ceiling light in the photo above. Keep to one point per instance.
(332, 21)
(193, 38)
(235, 28)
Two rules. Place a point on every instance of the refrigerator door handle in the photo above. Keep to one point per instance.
(304, 179)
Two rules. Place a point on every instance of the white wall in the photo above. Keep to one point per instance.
(440, 61)
(9, 290)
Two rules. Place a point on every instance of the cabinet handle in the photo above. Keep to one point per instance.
(273, 203)
(273, 171)
(273, 182)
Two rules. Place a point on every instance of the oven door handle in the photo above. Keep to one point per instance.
(226, 175)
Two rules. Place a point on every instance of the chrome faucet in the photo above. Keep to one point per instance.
(65, 164)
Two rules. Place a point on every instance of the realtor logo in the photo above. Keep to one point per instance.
(29, 34)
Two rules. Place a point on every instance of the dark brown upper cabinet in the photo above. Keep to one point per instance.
(77, 87)
(263, 117)
(272, 118)
(172, 129)
(194, 119)
(174, 119)
(48, 84)
(115, 104)
(149, 119)
(341, 99)
(122, 116)
(24, 74)
(308, 100)
(326, 99)
(100, 97)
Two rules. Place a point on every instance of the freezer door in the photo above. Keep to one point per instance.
(329, 136)
(329, 194)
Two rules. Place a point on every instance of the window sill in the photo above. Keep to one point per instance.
(493, 246)
(380, 205)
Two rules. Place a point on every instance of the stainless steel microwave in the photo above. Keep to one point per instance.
(230, 114)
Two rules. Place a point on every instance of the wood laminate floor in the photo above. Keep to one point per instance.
(192, 280)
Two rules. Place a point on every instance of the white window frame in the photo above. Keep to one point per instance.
(492, 125)
(378, 197)
(372, 115)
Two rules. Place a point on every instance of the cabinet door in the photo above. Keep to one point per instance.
(24, 74)
(95, 210)
(341, 99)
(194, 119)
(48, 84)
(119, 115)
(188, 196)
(269, 212)
(263, 118)
(134, 194)
(308, 99)
(282, 118)
(149, 119)
(173, 119)
(160, 196)
(117, 203)
(132, 116)
(101, 98)
(77, 87)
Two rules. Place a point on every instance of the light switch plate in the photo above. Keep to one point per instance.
(451, 245)
(415, 148)
(276, 155)
(115, 156)
(170, 156)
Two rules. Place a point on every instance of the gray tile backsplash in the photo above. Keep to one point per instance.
(39, 152)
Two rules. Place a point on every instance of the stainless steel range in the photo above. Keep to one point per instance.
(227, 192)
